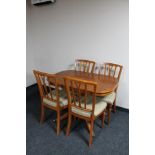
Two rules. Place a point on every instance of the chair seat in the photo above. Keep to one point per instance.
(99, 107)
(110, 98)
(63, 101)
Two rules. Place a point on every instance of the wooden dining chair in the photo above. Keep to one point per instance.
(84, 65)
(87, 107)
(114, 70)
(52, 95)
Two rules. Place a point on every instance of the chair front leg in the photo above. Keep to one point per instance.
(91, 133)
(42, 113)
(109, 112)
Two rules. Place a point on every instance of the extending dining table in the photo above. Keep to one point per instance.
(105, 84)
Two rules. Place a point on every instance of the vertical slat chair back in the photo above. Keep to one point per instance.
(48, 85)
(111, 69)
(78, 95)
(85, 65)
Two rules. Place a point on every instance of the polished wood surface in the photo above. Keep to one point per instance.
(85, 65)
(105, 84)
(47, 83)
(112, 70)
(77, 92)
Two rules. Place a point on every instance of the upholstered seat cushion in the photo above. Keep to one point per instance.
(63, 101)
(110, 98)
(99, 107)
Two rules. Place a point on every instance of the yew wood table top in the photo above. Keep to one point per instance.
(105, 84)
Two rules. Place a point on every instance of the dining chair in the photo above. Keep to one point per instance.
(84, 65)
(52, 96)
(114, 70)
(86, 107)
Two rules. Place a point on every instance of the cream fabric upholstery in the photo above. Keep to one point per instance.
(110, 98)
(63, 101)
(99, 107)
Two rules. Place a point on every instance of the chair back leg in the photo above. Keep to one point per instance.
(69, 124)
(115, 105)
(103, 118)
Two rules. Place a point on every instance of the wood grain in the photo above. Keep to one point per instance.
(105, 84)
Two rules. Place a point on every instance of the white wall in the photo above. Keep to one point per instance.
(93, 29)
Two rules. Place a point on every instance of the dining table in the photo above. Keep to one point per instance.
(105, 83)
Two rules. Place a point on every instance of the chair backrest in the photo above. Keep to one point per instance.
(48, 85)
(84, 65)
(111, 69)
(78, 95)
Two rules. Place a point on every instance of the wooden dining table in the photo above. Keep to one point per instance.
(105, 84)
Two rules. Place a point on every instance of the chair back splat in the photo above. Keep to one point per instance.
(84, 65)
(111, 69)
(78, 95)
(48, 85)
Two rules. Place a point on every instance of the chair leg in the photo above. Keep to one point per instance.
(69, 124)
(91, 133)
(103, 118)
(115, 105)
(42, 114)
(58, 122)
(109, 113)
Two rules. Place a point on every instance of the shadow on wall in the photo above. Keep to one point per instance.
(30, 79)
(28, 2)
(71, 67)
